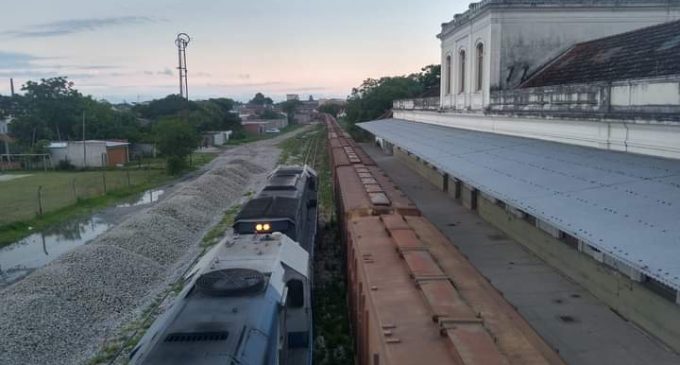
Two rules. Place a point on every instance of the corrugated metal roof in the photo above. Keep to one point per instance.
(626, 205)
(91, 141)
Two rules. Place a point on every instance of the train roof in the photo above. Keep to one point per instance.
(280, 197)
(224, 315)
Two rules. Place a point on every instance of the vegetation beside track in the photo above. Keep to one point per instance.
(333, 343)
(218, 231)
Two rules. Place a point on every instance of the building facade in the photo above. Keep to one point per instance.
(94, 154)
(4, 126)
(499, 44)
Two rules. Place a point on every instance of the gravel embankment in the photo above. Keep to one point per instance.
(62, 313)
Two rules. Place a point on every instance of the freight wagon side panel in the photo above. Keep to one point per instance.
(393, 324)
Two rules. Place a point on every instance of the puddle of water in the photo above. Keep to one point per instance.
(148, 197)
(11, 177)
(21, 258)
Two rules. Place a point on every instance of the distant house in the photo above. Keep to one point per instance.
(218, 138)
(306, 112)
(254, 127)
(260, 126)
(4, 125)
(93, 153)
(251, 109)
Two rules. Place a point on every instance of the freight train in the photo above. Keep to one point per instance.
(413, 297)
(248, 300)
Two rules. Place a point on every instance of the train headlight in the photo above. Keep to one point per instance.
(258, 227)
(266, 227)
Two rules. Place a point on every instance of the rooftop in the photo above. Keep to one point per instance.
(622, 204)
(477, 8)
(92, 141)
(649, 52)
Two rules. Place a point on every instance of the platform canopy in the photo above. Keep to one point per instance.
(625, 205)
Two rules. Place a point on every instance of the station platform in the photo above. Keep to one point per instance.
(622, 206)
(576, 324)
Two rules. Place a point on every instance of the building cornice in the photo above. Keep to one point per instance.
(477, 9)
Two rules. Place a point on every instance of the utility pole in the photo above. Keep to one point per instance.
(84, 144)
(6, 138)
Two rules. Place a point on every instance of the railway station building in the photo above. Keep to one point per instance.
(558, 122)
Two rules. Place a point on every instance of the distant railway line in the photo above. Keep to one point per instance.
(413, 297)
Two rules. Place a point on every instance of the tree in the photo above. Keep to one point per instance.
(331, 108)
(290, 107)
(375, 96)
(176, 140)
(260, 99)
(49, 109)
(169, 105)
(430, 76)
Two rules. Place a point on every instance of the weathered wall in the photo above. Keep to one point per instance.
(647, 99)
(647, 138)
(73, 152)
(466, 39)
(519, 38)
(429, 172)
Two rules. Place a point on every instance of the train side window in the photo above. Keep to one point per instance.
(296, 294)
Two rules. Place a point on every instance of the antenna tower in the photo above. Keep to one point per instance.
(182, 42)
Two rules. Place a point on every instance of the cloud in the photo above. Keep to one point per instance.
(165, 72)
(311, 88)
(253, 84)
(72, 26)
(16, 60)
(37, 74)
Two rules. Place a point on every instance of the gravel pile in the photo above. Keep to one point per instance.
(62, 313)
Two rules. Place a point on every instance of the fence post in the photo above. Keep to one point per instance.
(104, 180)
(73, 187)
(40, 205)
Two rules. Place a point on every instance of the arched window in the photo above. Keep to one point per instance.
(480, 66)
(461, 83)
(448, 75)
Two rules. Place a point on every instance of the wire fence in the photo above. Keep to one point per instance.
(30, 195)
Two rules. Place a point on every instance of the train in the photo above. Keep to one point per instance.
(413, 297)
(248, 299)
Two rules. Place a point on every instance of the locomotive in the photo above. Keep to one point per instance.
(248, 300)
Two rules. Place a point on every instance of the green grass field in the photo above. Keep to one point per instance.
(19, 197)
(65, 195)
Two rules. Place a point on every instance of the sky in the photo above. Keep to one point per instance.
(124, 50)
